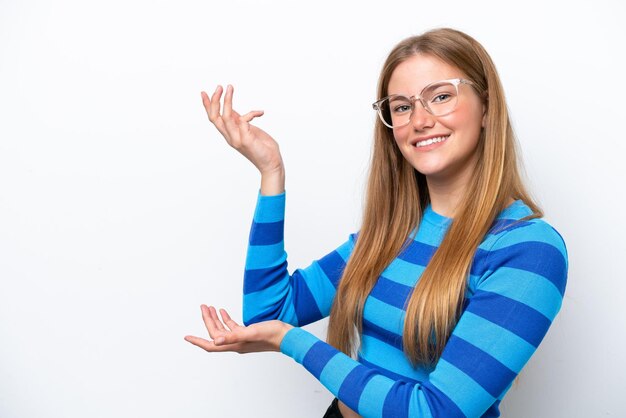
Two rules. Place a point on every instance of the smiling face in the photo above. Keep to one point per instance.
(443, 148)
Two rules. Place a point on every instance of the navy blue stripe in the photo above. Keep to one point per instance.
(353, 385)
(510, 314)
(501, 225)
(493, 411)
(266, 233)
(397, 401)
(260, 279)
(387, 373)
(532, 256)
(382, 334)
(488, 372)
(303, 300)
(333, 266)
(272, 313)
(317, 357)
(440, 404)
(417, 253)
(390, 292)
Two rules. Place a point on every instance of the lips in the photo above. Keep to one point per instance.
(433, 139)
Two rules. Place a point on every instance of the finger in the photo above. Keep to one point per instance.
(206, 101)
(208, 345)
(230, 118)
(242, 340)
(232, 339)
(199, 342)
(216, 320)
(228, 102)
(228, 320)
(214, 104)
(209, 322)
(251, 115)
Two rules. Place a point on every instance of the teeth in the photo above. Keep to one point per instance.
(431, 141)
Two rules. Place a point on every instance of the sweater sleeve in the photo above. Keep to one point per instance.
(269, 290)
(521, 282)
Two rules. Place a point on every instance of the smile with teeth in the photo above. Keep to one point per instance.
(431, 141)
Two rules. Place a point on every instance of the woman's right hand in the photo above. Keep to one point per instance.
(253, 143)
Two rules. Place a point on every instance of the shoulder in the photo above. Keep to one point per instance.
(533, 233)
(512, 227)
(528, 247)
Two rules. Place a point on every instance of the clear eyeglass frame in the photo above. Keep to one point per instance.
(378, 105)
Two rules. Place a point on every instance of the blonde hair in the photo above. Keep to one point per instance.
(397, 196)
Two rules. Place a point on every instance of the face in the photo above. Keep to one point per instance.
(453, 158)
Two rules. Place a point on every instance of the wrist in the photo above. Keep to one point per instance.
(281, 336)
(273, 181)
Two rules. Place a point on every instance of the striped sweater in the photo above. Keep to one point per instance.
(514, 291)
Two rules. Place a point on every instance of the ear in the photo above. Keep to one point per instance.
(484, 120)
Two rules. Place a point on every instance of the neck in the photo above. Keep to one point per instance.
(445, 195)
(447, 189)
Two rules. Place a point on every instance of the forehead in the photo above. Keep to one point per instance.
(416, 72)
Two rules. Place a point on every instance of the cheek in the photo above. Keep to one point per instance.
(466, 121)
(400, 134)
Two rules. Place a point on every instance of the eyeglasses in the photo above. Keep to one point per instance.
(439, 99)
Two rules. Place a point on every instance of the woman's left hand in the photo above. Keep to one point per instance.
(227, 335)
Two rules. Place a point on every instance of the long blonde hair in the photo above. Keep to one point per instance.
(397, 196)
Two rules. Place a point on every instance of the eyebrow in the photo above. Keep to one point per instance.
(399, 95)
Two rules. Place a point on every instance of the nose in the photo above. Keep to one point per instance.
(421, 118)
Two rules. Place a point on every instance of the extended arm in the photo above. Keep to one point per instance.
(270, 292)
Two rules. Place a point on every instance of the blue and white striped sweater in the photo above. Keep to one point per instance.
(515, 290)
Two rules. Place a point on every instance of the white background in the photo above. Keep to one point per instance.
(121, 209)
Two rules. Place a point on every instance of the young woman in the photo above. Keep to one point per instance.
(453, 279)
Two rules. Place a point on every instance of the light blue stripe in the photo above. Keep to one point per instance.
(468, 395)
(488, 242)
(375, 351)
(288, 314)
(346, 249)
(265, 256)
(472, 282)
(297, 343)
(268, 299)
(384, 315)
(270, 208)
(515, 210)
(269, 296)
(320, 286)
(335, 372)
(375, 391)
(503, 345)
(430, 234)
(538, 232)
(529, 288)
(403, 272)
(418, 406)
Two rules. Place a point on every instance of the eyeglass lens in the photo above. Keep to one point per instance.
(439, 99)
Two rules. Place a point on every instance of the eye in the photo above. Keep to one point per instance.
(441, 98)
(403, 108)
(399, 105)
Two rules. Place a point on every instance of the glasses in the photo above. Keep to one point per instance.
(438, 99)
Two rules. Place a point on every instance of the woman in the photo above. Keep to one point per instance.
(453, 279)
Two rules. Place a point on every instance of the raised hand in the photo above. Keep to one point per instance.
(253, 143)
(227, 335)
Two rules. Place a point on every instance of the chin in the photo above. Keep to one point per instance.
(429, 170)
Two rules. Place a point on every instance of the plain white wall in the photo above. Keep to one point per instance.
(121, 209)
